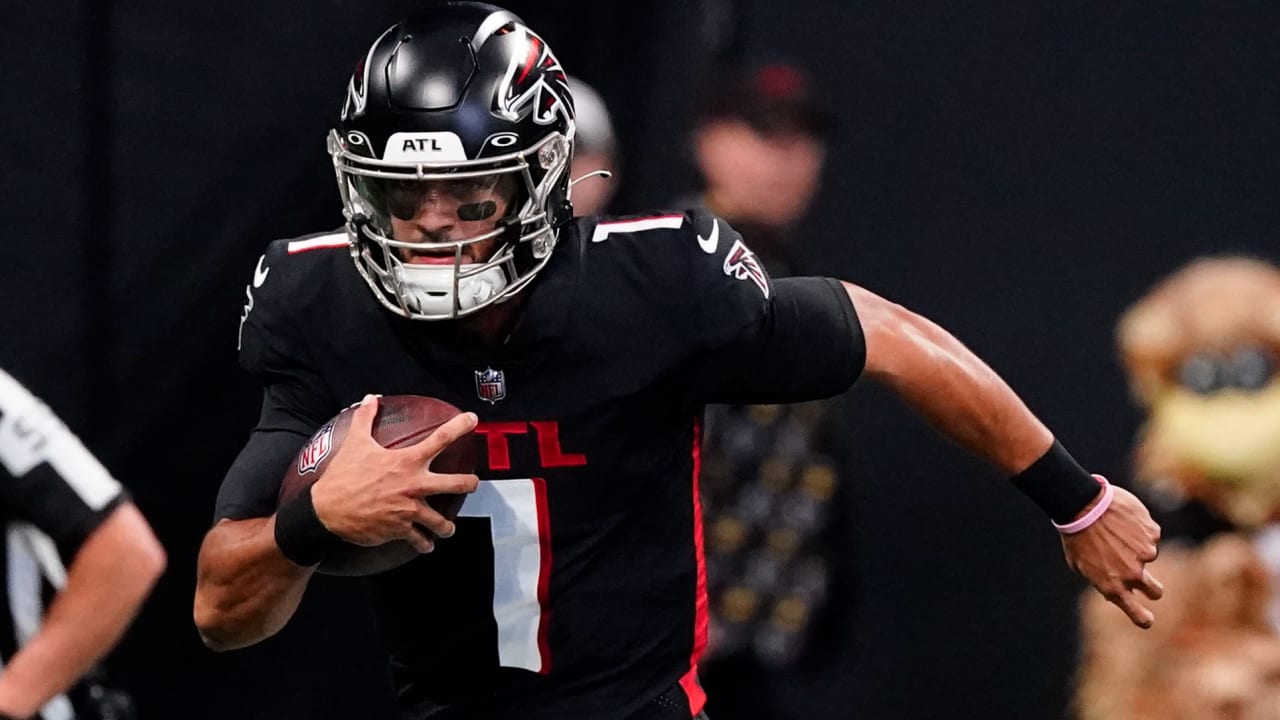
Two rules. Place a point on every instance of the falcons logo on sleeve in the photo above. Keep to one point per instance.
(742, 264)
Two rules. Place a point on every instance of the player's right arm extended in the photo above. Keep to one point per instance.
(246, 589)
(968, 402)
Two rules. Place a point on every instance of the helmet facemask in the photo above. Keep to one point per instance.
(430, 118)
(374, 191)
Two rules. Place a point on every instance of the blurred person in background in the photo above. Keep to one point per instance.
(595, 150)
(775, 477)
(57, 503)
(760, 144)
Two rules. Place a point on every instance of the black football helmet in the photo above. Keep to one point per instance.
(464, 96)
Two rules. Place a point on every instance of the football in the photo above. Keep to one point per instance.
(402, 420)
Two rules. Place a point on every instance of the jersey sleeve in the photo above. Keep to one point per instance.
(730, 291)
(252, 483)
(760, 340)
(295, 399)
(270, 343)
(49, 478)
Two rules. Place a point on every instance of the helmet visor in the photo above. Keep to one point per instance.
(472, 198)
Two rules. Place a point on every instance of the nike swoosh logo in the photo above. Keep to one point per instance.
(708, 244)
(260, 273)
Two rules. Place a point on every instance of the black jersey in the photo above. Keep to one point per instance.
(574, 586)
(53, 495)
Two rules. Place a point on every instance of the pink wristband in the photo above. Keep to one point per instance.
(1092, 516)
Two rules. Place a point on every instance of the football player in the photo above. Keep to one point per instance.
(572, 584)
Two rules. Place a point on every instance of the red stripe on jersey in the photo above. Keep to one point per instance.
(634, 225)
(301, 246)
(640, 220)
(544, 573)
(689, 683)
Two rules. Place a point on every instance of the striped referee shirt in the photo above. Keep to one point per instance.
(53, 495)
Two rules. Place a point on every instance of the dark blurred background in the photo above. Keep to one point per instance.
(1019, 171)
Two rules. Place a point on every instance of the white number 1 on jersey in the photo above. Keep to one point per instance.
(520, 528)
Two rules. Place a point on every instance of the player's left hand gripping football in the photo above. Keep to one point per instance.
(371, 495)
(1112, 554)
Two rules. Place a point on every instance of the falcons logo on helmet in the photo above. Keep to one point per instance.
(358, 86)
(742, 264)
(534, 81)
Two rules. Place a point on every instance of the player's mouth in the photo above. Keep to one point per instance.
(432, 257)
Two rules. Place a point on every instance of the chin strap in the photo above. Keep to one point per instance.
(559, 208)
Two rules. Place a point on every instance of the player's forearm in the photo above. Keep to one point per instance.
(953, 389)
(106, 584)
(246, 590)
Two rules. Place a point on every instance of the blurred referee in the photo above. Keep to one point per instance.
(58, 505)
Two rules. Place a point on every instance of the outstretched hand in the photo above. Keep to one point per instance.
(1112, 555)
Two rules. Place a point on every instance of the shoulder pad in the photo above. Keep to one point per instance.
(290, 277)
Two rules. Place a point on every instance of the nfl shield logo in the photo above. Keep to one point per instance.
(491, 385)
(316, 450)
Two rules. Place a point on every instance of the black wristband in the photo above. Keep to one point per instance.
(300, 534)
(1058, 484)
